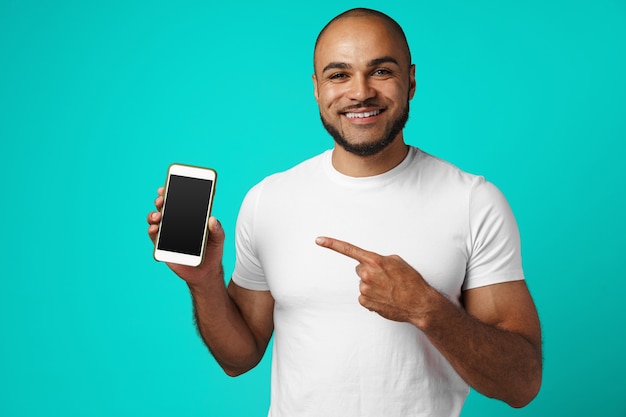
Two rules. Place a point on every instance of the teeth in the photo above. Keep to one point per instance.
(362, 115)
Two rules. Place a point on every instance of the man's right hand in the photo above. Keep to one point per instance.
(207, 273)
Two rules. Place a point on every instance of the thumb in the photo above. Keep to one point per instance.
(216, 232)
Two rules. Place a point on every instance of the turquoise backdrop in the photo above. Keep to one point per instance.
(98, 98)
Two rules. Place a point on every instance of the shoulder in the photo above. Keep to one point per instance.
(287, 182)
(472, 198)
(296, 176)
(442, 177)
(305, 170)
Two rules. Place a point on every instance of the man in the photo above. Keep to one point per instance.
(400, 335)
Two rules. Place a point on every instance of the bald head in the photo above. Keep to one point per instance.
(361, 13)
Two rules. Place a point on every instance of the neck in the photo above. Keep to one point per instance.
(367, 166)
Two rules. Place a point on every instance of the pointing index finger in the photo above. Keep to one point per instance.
(345, 248)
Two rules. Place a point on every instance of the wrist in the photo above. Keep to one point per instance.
(209, 283)
(433, 312)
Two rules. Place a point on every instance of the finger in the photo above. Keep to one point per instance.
(154, 217)
(366, 272)
(216, 232)
(153, 229)
(160, 191)
(363, 287)
(346, 249)
(367, 303)
(158, 202)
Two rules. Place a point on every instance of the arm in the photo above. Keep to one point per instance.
(494, 343)
(236, 324)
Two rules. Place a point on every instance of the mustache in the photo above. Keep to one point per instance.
(361, 105)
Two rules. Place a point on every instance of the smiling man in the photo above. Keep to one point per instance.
(363, 97)
(391, 280)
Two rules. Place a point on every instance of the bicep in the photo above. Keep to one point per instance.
(508, 306)
(257, 310)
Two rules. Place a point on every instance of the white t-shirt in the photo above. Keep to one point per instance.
(331, 356)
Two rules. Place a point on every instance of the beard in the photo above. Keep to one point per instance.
(371, 148)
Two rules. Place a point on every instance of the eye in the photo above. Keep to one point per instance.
(382, 72)
(338, 76)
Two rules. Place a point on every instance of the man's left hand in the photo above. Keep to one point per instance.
(389, 285)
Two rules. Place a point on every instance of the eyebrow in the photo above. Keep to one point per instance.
(374, 62)
(336, 65)
(383, 60)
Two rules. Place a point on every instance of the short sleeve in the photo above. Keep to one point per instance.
(248, 271)
(495, 248)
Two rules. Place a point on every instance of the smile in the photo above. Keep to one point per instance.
(362, 115)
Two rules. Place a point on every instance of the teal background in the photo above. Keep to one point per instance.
(98, 98)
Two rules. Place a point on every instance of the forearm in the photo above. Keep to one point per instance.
(223, 328)
(496, 362)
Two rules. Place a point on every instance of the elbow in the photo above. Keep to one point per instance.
(524, 401)
(239, 364)
(234, 371)
(526, 394)
(521, 402)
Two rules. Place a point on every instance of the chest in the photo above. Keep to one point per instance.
(426, 231)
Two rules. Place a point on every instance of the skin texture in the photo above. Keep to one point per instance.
(493, 342)
(236, 324)
(362, 67)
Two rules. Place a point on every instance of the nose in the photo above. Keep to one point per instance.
(360, 88)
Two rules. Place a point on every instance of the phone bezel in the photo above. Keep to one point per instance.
(189, 171)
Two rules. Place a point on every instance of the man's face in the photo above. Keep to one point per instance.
(363, 83)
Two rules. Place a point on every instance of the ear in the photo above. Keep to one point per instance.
(315, 92)
(412, 83)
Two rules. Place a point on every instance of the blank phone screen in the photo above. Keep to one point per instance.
(184, 215)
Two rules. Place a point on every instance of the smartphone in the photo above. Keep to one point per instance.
(183, 230)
